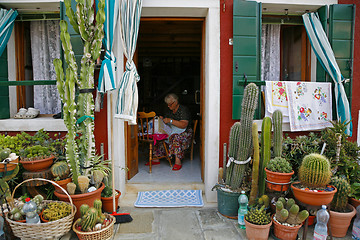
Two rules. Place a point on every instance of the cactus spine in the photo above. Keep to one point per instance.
(315, 171)
(340, 199)
(91, 32)
(233, 148)
(248, 108)
(255, 167)
(265, 152)
(277, 118)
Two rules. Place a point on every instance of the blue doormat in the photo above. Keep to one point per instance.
(170, 198)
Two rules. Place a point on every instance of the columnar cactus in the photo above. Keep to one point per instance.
(248, 108)
(340, 199)
(79, 112)
(233, 148)
(265, 152)
(277, 118)
(315, 171)
(289, 213)
(255, 167)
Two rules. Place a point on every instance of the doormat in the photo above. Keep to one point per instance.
(170, 198)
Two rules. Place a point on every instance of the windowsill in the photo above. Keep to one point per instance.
(43, 121)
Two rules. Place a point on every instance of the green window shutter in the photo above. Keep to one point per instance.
(4, 91)
(75, 37)
(320, 71)
(246, 51)
(341, 38)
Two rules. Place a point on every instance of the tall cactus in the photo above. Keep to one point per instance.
(255, 167)
(340, 199)
(233, 148)
(315, 171)
(248, 108)
(277, 118)
(79, 112)
(265, 152)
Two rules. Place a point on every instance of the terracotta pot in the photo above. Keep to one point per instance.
(354, 202)
(38, 165)
(311, 197)
(281, 180)
(79, 199)
(340, 222)
(62, 184)
(257, 232)
(283, 232)
(107, 202)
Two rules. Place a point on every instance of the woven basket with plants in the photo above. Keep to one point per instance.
(48, 230)
(93, 224)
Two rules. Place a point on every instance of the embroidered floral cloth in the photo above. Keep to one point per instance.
(310, 105)
(276, 99)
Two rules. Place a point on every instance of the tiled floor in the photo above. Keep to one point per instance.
(162, 173)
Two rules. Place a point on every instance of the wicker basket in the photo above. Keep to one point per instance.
(103, 234)
(49, 230)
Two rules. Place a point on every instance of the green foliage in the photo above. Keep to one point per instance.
(315, 171)
(340, 199)
(258, 216)
(279, 164)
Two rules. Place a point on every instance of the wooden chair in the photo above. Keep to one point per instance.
(195, 122)
(144, 121)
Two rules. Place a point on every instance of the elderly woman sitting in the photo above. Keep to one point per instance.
(179, 118)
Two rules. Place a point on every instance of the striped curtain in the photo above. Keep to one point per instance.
(127, 95)
(7, 18)
(107, 71)
(325, 55)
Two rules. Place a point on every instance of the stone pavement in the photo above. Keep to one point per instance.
(182, 224)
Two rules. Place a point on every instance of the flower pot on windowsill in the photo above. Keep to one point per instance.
(277, 181)
(107, 202)
(37, 165)
(312, 198)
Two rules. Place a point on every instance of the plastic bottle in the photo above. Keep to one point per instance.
(356, 225)
(322, 217)
(30, 209)
(243, 203)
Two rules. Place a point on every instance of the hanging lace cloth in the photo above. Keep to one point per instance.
(45, 47)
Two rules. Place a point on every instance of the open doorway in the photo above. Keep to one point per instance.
(169, 60)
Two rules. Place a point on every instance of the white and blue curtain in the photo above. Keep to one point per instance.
(127, 95)
(326, 57)
(107, 72)
(7, 18)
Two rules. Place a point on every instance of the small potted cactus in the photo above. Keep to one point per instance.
(288, 219)
(257, 223)
(314, 176)
(341, 212)
(278, 174)
(93, 222)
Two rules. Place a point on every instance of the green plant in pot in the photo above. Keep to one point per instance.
(288, 219)
(341, 212)
(314, 176)
(257, 223)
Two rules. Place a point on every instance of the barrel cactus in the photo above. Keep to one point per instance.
(340, 199)
(279, 164)
(315, 171)
(289, 212)
(277, 119)
(248, 108)
(258, 216)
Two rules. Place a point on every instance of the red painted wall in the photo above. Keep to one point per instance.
(226, 25)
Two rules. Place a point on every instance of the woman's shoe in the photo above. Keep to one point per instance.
(176, 167)
(153, 163)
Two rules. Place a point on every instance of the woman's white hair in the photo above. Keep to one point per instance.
(171, 96)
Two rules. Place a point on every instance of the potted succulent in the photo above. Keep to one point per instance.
(257, 224)
(240, 143)
(288, 219)
(314, 176)
(78, 111)
(278, 174)
(341, 212)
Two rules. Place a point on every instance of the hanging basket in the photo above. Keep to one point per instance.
(49, 230)
(103, 234)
